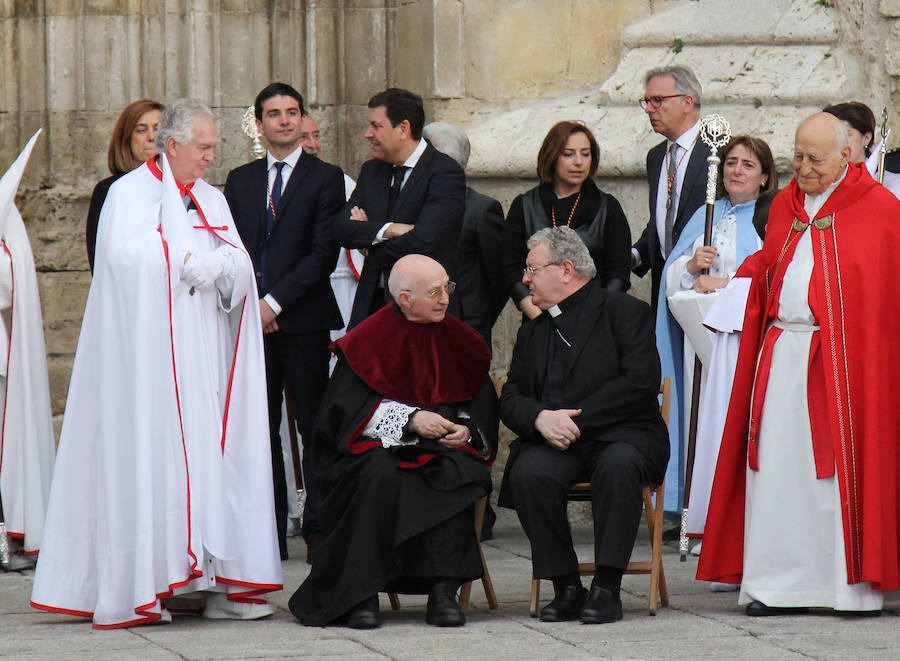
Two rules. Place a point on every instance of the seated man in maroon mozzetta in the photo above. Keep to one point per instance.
(402, 450)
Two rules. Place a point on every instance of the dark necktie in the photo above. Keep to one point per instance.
(671, 198)
(271, 210)
(396, 182)
(274, 198)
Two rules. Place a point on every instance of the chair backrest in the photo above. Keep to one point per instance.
(665, 389)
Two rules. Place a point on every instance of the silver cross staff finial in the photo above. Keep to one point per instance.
(248, 126)
(884, 128)
(715, 132)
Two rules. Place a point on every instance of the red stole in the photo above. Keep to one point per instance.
(851, 397)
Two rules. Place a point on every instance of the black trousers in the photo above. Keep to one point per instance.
(302, 360)
(540, 478)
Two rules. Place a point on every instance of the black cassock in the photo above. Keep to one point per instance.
(396, 519)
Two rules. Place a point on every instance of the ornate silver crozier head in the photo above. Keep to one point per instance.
(248, 126)
(715, 132)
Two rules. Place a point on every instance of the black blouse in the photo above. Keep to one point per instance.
(98, 197)
(598, 219)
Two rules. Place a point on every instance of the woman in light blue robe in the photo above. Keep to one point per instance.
(746, 170)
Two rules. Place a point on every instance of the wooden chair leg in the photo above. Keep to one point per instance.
(465, 590)
(535, 596)
(657, 536)
(657, 577)
(395, 601)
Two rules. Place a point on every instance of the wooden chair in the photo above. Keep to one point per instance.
(653, 509)
(466, 589)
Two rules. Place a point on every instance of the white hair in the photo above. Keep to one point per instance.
(449, 139)
(564, 243)
(177, 121)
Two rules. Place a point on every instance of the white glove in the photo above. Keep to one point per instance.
(202, 269)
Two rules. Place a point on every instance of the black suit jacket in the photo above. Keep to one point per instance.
(480, 275)
(612, 374)
(432, 199)
(301, 251)
(693, 195)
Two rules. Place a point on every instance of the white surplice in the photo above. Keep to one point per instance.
(725, 317)
(163, 481)
(793, 529)
(27, 450)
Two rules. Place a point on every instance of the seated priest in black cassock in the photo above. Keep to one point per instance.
(582, 397)
(402, 453)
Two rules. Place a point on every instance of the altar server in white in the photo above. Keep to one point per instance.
(163, 483)
(26, 427)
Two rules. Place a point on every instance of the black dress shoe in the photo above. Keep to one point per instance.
(602, 606)
(759, 609)
(566, 606)
(443, 609)
(365, 614)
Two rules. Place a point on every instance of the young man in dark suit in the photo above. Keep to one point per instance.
(284, 206)
(676, 168)
(410, 198)
(581, 396)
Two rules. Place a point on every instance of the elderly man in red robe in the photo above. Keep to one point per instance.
(804, 506)
(406, 431)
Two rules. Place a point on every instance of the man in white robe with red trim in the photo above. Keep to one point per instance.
(804, 505)
(405, 435)
(163, 482)
(27, 449)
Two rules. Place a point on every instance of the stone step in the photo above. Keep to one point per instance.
(789, 75)
(764, 70)
(732, 22)
(507, 145)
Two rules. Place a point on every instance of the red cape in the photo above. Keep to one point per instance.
(856, 264)
(421, 365)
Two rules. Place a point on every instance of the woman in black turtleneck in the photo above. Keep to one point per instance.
(132, 144)
(567, 195)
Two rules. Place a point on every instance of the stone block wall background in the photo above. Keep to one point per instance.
(70, 66)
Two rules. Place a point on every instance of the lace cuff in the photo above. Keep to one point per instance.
(388, 422)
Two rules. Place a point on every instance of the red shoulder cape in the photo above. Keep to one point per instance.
(856, 263)
(421, 365)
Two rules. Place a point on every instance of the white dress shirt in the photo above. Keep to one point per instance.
(290, 162)
(410, 163)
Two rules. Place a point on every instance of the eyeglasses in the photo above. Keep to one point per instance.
(436, 293)
(531, 270)
(656, 101)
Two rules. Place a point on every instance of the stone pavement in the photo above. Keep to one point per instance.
(697, 624)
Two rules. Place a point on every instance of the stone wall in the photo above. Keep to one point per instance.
(502, 69)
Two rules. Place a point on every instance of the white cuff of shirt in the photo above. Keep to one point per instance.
(688, 280)
(379, 238)
(637, 257)
(272, 304)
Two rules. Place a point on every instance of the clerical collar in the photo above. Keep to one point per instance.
(570, 302)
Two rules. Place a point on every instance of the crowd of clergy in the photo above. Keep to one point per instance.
(356, 316)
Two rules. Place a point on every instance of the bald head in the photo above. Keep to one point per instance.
(420, 287)
(821, 152)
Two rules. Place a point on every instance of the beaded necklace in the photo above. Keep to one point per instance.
(571, 213)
